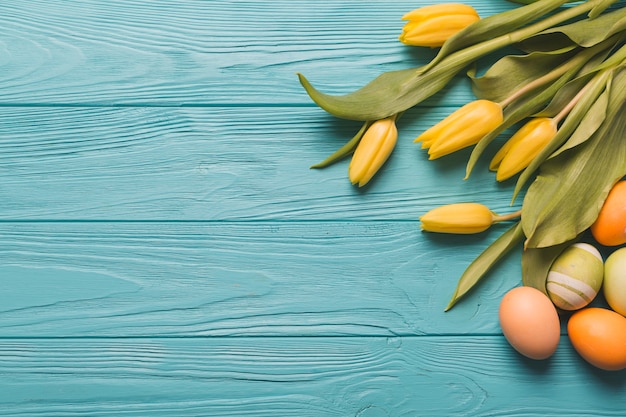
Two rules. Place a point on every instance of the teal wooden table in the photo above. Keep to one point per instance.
(165, 249)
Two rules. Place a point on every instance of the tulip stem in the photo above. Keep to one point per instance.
(565, 111)
(538, 82)
(554, 20)
(578, 60)
(497, 218)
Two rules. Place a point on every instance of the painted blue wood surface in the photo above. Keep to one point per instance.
(166, 251)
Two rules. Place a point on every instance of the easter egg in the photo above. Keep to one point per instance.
(609, 229)
(530, 322)
(575, 277)
(614, 288)
(599, 336)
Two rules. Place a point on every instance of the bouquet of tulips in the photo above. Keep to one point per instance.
(567, 91)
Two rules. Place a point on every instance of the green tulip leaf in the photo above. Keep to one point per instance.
(615, 59)
(485, 261)
(566, 197)
(600, 8)
(530, 1)
(590, 123)
(565, 95)
(586, 32)
(536, 263)
(546, 42)
(512, 72)
(345, 150)
(389, 93)
(594, 60)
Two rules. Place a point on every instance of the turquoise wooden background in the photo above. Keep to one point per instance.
(166, 251)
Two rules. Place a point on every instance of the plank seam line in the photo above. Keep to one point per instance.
(190, 337)
(157, 105)
(177, 106)
(195, 221)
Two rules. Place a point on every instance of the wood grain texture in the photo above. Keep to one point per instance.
(166, 251)
(231, 279)
(196, 52)
(87, 163)
(360, 377)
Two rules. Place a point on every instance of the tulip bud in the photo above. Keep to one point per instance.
(373, 150)
(463, 128)
(432, 25)
(519, 151)
(460, 218)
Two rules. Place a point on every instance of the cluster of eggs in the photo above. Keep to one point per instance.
(530, 320)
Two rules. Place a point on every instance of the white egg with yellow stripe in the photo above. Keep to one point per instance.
(575, 277)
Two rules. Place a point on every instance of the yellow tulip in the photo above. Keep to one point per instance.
(432, 25)
(373, 150)
(463, 128)
(519, 151)
(463, 218)
(460, 218)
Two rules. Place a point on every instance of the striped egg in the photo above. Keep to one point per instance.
(575, 277)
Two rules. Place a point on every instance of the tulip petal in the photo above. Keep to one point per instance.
(526, 145)
(460, 218)
(479, 268)
(433, 10)
(465, 127)
(455, 118)
(373, 150)
(504, 150)
(434, 31)
(381, 157)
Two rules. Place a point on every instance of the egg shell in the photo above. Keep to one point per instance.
(599, 336)
(575, 277)
(609, 229)
(615, 281)
(530, 322)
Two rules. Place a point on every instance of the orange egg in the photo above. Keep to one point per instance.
(609, 229)
(530, 322)
(599, 336)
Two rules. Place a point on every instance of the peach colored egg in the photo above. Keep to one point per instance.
(530, 322)
(599, 336)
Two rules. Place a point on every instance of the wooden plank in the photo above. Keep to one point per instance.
(217, 164)
(364, 377)
(271, 278)
(190, 52)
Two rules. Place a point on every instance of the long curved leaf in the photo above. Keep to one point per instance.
(485, 261)
(600, 8)
(531, 1)
(586, 32)
(590, 123)
(389, 93)
(512, 72)
(345, 150)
